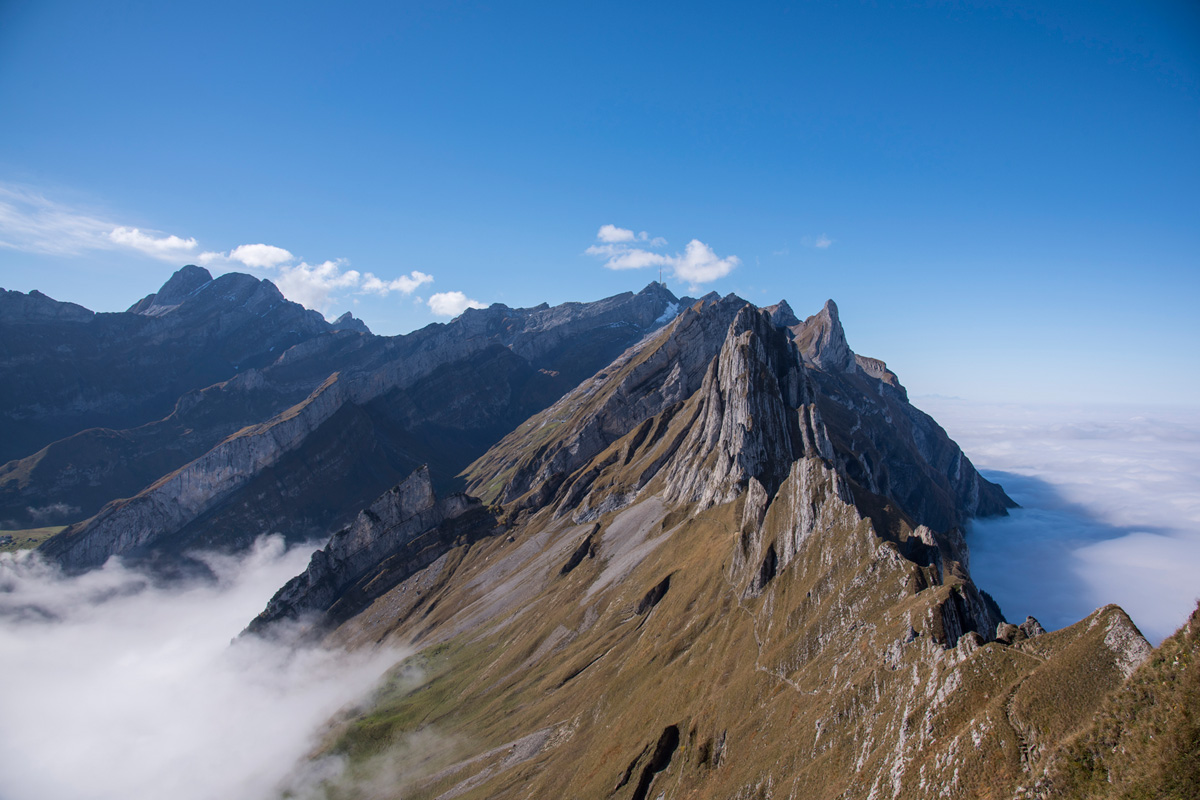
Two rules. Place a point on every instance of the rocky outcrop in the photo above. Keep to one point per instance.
(348, 322)
(750, 418)
(403, 531)
(823, 342)
(750, 396)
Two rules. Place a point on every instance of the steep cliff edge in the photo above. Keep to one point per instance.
(402, 532)
(693, 595)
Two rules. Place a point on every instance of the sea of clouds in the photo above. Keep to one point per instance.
(115, 687)
(1110, 509)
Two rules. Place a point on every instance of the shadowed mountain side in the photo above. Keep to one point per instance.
(440, 396)
(66, 370)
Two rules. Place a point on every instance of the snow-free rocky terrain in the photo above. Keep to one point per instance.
(643, 547)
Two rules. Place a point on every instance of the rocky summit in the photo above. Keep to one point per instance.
(645, 547)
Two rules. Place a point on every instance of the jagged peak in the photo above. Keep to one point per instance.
(781, 314)
(656, 289)
(748, 427)
(823, 342)
(349, 322)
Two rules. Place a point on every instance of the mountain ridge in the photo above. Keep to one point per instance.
(659, 608)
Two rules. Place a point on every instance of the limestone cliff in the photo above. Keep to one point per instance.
(403, 531)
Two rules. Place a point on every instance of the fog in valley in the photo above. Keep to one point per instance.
(118, 688)
(1110, 513)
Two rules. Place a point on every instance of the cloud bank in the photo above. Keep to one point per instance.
(1110, 511)
(622, 249)
(117, 688)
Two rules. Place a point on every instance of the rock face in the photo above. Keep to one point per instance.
(699, 587)
(403, 531)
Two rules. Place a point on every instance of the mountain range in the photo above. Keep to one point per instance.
(647, 546)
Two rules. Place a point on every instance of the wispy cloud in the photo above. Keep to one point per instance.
(167, 706)
(451, 304)
(31, 223)
(822, 242)
(168, 248)
(622, 249)
(1110, 511)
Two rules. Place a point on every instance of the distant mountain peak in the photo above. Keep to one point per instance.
(185, 282)
(349, 322)
(781, 314)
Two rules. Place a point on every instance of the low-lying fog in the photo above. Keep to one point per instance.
(1110, 511)
(115, 688)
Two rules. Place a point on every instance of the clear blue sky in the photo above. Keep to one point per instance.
(1002, 197)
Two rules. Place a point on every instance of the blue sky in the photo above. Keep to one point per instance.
(1001, 197)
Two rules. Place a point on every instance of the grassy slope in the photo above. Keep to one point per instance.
(1145, 741)
(535, 681)
(29, 538)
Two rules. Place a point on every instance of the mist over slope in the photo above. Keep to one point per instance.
(118, 688)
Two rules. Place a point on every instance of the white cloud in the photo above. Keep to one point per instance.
(451, 304)
(823, 241)
(611, 233)
(263, 256)
(169, 248)
(697, 264)
(405, 284)
(311, 285)
(1110, 509)
(165, 705)
(209, 257)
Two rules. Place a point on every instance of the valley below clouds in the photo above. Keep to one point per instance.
(1110, 509)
